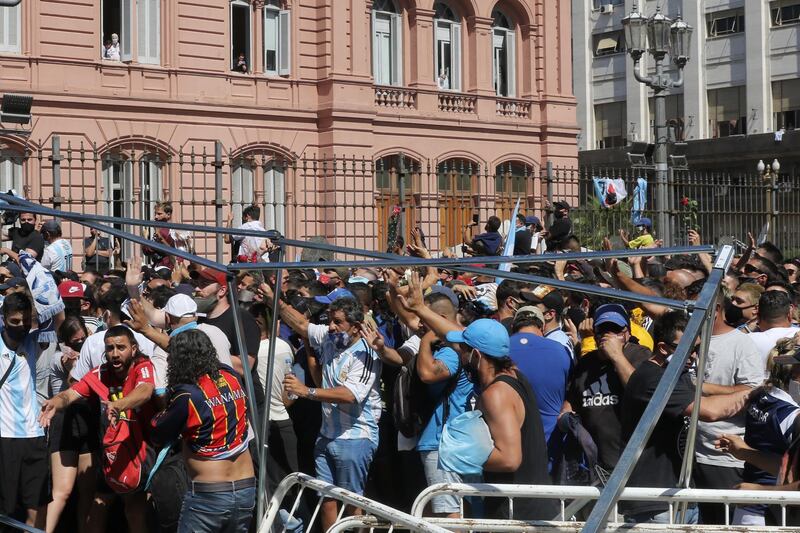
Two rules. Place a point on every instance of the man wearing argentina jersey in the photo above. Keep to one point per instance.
(23, 449)
(347, 371)
(58, 254)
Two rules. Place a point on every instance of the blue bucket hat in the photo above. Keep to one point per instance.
(334, 295)
(646, 222)
(488, 336)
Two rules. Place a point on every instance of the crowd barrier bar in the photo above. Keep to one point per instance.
(327, 490)
(700, 312)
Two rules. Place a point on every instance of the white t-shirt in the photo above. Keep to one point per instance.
(221, 345)
(733, 359)
(93, 352)
(765, 341)
(282, 365)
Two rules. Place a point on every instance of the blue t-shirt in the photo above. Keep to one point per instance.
(769, 427)
(459, 400)
(546, 363)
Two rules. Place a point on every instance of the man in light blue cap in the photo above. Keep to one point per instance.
(510, 410)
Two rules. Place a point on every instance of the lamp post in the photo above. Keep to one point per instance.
(770, 175)
(659, 36)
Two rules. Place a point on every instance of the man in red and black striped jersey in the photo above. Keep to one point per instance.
(207, 408)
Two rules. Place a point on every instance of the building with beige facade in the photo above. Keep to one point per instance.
(308, 104)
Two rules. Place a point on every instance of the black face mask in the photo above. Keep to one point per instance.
(26, 228)
(559, 214)
(17, 333)
(734, 316)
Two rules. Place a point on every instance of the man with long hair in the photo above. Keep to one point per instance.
(208, 408)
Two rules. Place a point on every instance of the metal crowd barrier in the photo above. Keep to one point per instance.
(702, 315)
(15, 525)
(565, 494)
(392, 517)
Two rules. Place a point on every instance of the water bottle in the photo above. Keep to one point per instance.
(290, 371)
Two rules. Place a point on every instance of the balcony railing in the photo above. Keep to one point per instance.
(457, 103)
(395, 97)
(513, 108)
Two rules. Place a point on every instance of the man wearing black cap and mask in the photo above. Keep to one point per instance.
(561, 228)
(25, 237)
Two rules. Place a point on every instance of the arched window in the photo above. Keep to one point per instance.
(512, 178)
(244, 179)
(397, 178)
(447, 53)
(277, 39)
(387, 43)
(503, 55)
(456, 179)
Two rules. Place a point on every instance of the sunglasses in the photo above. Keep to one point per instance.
(613, 329)
(674, 345)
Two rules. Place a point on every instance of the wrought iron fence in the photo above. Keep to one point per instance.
(350, 200)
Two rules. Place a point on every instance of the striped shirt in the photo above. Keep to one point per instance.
(58, 256)
(19, 406)
(357, 368)
(210, 415)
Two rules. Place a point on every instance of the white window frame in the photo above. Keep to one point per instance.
(713, 18)
(149, 185)
(118, 176)
(509, 44)
(776, 13)
(248, 53)
(282, 40)
(454, 77)
(242, 189)
(275, 197)
(395, 21)
(11, 18)
(146, 28)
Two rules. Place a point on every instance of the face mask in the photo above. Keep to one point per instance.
(17, 333)
(471, 370)
(26, 228)
(734, 316)
(794, 390)
(185, 327)
(204, 305)
(340, 339)
(559, 214)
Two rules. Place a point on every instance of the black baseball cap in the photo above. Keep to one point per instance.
(548, 296)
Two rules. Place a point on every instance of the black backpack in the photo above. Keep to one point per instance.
(413, 403)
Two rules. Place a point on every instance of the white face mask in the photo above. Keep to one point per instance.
(114, 41)
(794, 390)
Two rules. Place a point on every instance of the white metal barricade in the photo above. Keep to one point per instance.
(566, 494)
(388, 515)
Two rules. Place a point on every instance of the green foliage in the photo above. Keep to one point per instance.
(592, 222)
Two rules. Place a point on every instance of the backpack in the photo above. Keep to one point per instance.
(127, 458)
(413, 403)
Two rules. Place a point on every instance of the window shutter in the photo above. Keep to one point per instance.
(154, 32)
(375, 56)
(511, 63)
(455, 57)
(284, 43)
(125, 41)
(435, 53)
(397, 49)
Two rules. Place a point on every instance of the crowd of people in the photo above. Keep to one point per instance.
(124, 388)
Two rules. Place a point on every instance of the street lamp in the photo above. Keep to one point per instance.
(659, 36)
(770, 175)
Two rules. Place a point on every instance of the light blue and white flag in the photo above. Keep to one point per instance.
(508, 251)
(639, 200)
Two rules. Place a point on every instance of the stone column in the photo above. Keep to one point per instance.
(695, 96)
(757, 61)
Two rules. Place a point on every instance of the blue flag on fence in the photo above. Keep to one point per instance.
(508, 251)
(639, 200)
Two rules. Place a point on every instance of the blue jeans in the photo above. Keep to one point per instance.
(344, 462)
(217, 512)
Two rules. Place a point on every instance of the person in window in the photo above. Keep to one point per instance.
(241, 63)
(443, 80)
(111, 50)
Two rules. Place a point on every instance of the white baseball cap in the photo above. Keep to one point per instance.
(180, 306)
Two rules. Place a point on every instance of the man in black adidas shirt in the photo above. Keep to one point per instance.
(597, 383)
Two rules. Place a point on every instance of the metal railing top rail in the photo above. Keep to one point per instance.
(644, 428)
(327, 490)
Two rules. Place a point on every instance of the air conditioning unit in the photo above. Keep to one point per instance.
(607, 9)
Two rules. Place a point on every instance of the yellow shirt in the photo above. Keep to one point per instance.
(638, 242)
(588, 344)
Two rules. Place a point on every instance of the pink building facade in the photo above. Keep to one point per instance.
(277, 84)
